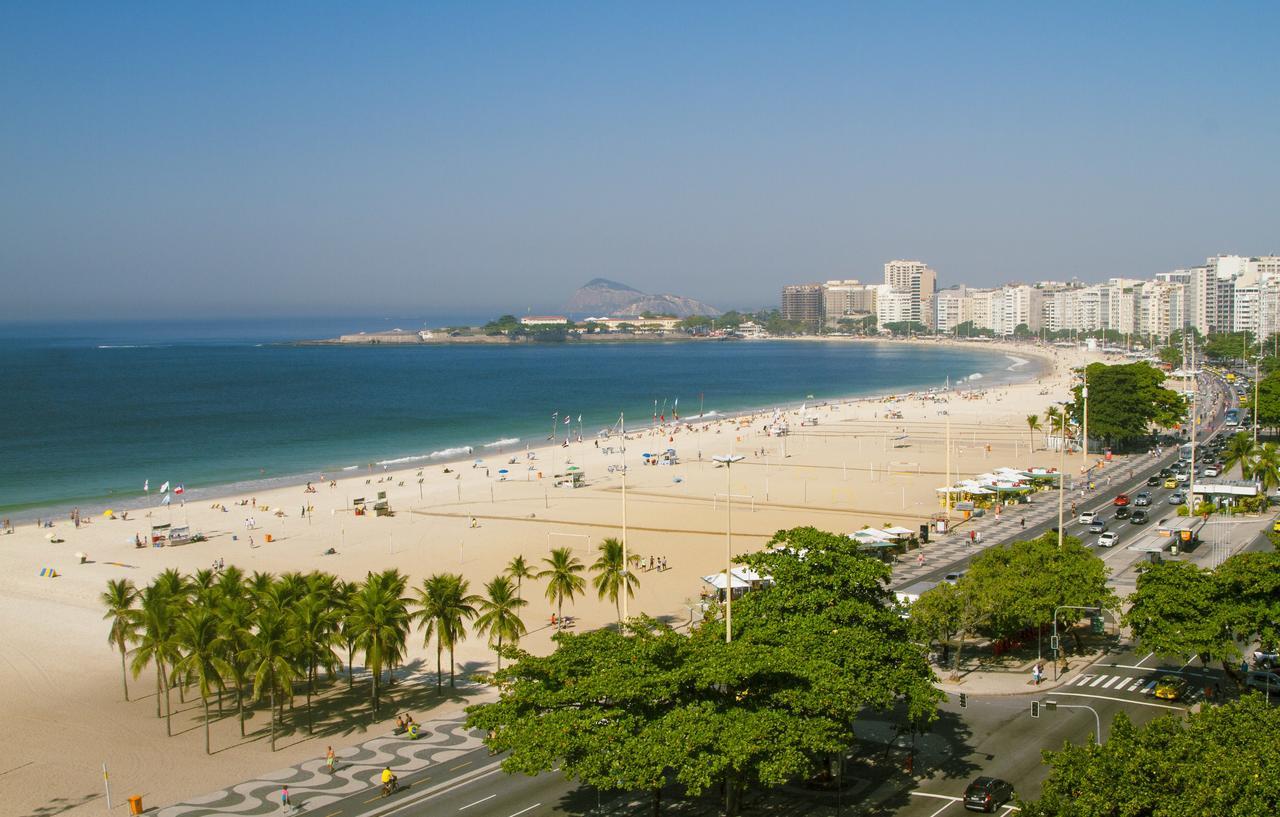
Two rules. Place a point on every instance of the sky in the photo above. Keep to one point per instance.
(242, 159)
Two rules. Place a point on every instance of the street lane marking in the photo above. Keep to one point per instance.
(944, 808)
(1122, 700)
(476, 803)
(1114, 678)
(952, 798)
(523, 810)
(459, 766)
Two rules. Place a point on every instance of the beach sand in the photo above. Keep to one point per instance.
(856, 467)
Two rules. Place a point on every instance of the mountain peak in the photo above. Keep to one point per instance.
(605, 283)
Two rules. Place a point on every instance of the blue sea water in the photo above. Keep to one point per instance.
(89, 412)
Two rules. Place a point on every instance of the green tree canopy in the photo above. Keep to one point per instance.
(1126, 400)
(1221, 760)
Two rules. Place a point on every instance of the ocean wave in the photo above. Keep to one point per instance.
(350, 468)
(404, 460)
(449, 452)
(122, 346)
(1018, 363)
(502, 442)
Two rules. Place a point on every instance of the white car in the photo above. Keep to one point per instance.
(1108, 539)
(1087, 517)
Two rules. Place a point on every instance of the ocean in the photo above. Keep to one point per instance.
(92, 411)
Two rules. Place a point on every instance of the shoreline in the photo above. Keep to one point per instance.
(1036, 365)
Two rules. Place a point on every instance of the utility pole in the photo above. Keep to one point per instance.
(728, 543)
(1062, 472)
(622, 424)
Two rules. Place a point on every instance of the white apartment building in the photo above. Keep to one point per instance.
(893, 306)
(919, 281)
(952, 307)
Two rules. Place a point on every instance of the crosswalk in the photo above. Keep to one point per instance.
(1115, 683)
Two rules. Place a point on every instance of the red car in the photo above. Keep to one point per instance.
(1122, 500)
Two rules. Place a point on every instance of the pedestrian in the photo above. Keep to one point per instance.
(1022, 522)
(284, 799)
(1035, 674)
(329, 760)
(920, 560)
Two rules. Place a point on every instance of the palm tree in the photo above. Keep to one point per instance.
(201, 645)
(315, 630)
(444, 607)
(156, 643)
(612, 576)
(1239, 450)
(120, 597)
(270, 650)
(235, 627)
(1053, 416)
(343, 592)
(499, 617)
(519, 570)
(378, 624)
(1033, 423)
(1266, 466)
(563, 579)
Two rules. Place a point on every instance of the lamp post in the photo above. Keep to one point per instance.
(1084, 431)
(622, 455)
(728, 461)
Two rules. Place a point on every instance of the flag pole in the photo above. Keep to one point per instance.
(622, 423)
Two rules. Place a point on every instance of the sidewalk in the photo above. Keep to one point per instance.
(1016, 680)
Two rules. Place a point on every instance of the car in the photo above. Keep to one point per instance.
(1177, 498)
(952, 578)
(1263, 681)
(1170, 688)
(1141, 499)
(987, 794)
(1099, 525)
(1211, 471)
(1087, 517)
(1139, 518)
(1184, 478)
(1275, 526)
(1121, 500)
(1153, 481)
(1166, 471)
(1108, 539)
(1171, 482)
(1122, 513)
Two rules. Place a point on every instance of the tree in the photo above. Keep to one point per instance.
(1126, 400)
(1239, 451)
(1213, 761)
(444, 607)
(499, 615)
(201, 645)
(156, 644)
(1249, 586)
(1178, 609)
(379, 625)
(563, 581)
(270, 650)
(120, 599)
(1267, 412)
(1033, 425)
(612, 575)
(1265, 466)
(945, 612)
(315, 623)
(519, 570)
(235, 613)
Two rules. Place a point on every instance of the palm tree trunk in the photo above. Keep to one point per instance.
(159, 684)
(168, 708)
(206, 724)
(240, 706)
(124, 675)
(451, 664)
(499, 652)
(311, 670)
(273, 712)
(439, 670)
(350, 678)
(375, 672)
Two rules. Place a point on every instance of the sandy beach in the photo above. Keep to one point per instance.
(859, 465)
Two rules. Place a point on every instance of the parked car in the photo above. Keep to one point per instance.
(1087, 517)
(987, 794)
(1122, 513)
(1121, 500)
(1139, 518)
(1171, 688)
(1099, 525)
(1177, 498)
(1142, 499)
(1108, 539)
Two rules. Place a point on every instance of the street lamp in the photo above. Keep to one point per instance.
(622, 456)
(728, 461)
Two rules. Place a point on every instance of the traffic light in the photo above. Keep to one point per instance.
(1053, 644)
(964, 700)
(1035, 709)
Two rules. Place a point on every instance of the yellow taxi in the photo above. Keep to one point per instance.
(1170, 688)
(1171, 482)
(1275, 526)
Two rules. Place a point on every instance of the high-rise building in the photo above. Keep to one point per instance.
(847, 299)
(916, 279)
(803, 302)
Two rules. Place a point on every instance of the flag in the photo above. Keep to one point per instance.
(167, 499)
(579, 419)
(675, 409)
(178, 489)
(164, 487)
(567, 420)
(146, 485)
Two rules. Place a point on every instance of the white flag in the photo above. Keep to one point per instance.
(164, 487)
(146, 485)
(167, 499)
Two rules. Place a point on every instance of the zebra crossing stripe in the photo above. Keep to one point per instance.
(1136, 685)
(1112, 681)
(1099, 680)
(1083, 679)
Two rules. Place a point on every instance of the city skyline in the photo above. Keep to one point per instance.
(249, 160)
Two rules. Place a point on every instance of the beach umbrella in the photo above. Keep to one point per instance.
(108, 512)
(503, 471)
(646, 454)
(573, 468)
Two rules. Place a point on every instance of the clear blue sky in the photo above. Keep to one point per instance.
(313, 158)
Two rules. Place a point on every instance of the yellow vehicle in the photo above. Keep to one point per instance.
(1275, 526)
(1231, 377)
(1171, 482)
(1170, 688)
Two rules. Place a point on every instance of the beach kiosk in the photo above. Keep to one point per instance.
(159, 535)
(570, 479)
